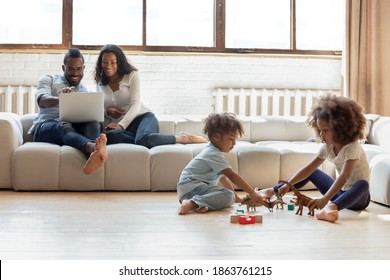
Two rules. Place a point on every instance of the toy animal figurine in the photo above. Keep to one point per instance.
(301, 199)
(271, 204)
(279, 197)
(251, 205)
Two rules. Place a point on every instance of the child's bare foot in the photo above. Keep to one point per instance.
(98, 157)
(186, 138)
(186, 206)
(266, 193)
(203, 209)
(328, 215)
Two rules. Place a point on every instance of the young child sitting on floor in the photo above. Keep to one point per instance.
(197, 188)
(339, 123)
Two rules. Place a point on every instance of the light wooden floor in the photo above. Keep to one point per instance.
(145, 226)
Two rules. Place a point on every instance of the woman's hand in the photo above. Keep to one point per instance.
(115, 111)
(113, 126)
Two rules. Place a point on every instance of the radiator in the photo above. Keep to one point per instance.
(266, 102)
(18, 99)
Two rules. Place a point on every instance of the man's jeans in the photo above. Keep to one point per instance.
(62, 133)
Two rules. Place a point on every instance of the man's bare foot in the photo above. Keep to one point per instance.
(186, 206)
(266, 193)
(98, 157)
(186, 138)
(328, 215)
(202, 210)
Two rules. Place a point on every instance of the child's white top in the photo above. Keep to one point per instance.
(353, 151)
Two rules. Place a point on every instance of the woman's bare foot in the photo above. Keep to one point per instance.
(186, 206)
(186, 138)
(328, 215)
(266, 193)
(98, 157)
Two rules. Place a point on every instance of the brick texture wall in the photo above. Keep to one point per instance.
(184, 84)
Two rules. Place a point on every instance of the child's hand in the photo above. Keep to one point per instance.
(237, 199)
(257, 199)
(283, 190)
(317, 204)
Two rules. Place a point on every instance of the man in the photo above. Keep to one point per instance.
(48, 128)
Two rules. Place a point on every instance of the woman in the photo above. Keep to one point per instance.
(127, 119)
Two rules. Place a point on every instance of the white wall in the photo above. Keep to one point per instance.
(184, 84)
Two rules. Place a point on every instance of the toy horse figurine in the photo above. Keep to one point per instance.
(301, 200)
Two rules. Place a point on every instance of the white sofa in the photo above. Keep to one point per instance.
(273, 148)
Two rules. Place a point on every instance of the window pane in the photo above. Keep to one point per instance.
(320, 24)
(100, 22)
(180, 23)
(31, 22)
(258, 24)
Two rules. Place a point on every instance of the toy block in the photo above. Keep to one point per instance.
(244, 220)
(234, 218)
(290, 206)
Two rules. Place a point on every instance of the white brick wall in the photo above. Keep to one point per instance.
(183, 84)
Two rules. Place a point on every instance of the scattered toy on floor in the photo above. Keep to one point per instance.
(246, 219)
(301, 199)
(279, 197)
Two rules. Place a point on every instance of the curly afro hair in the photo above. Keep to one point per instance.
(222, 123)
(345, 117)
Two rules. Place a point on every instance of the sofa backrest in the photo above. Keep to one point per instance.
(27, 121)
(267, 128)
(280, 128)
(256, 128)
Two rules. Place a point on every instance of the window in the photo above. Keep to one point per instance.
(29, 22)
(116, 21)
(189, 23)
(258, 26)
(261, 24)
(320, 24)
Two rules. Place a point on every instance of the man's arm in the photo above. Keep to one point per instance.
(45, 98)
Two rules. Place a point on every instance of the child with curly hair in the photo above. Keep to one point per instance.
(339, 123)
(197, 188)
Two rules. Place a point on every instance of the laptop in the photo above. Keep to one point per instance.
(79, 107)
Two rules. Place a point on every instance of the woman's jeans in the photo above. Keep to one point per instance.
(356, 198)
(62, 133)
(143, 130)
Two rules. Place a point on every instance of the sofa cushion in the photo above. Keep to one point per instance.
(36, 166)
(379, 179)
(258, 165)
(127, 168)
(71, 173)
(11, 139)
(166, 164)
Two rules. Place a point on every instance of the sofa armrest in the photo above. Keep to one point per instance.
(380, 133)
(11, 135)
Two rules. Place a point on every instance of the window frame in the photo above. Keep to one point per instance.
(219, 25)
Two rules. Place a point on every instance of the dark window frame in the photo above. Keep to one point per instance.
(219, 25)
